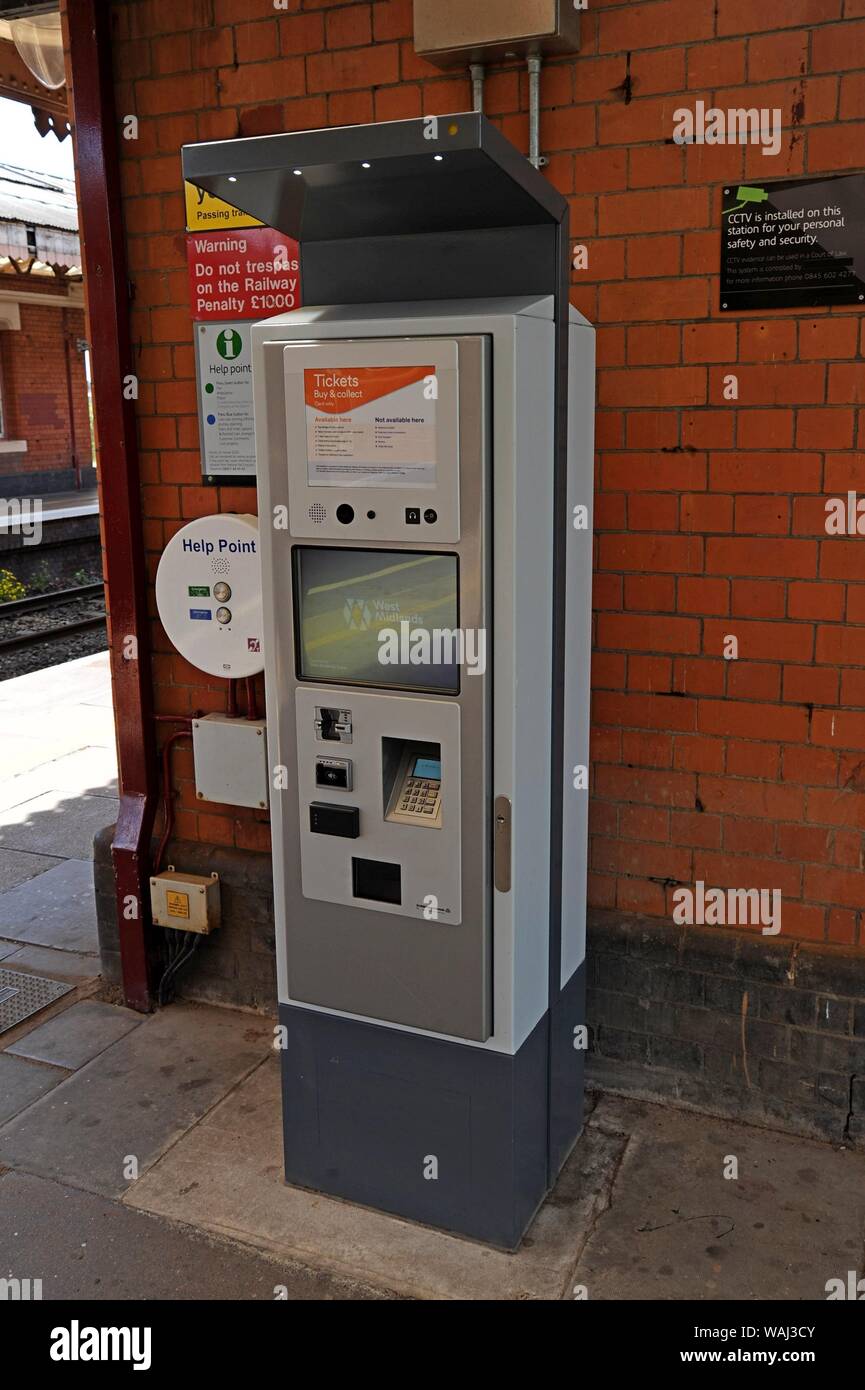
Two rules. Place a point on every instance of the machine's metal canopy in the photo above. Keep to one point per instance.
(443, 174)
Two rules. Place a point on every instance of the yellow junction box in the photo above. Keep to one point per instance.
(188, 902)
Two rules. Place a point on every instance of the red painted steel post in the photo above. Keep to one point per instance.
(94, 120)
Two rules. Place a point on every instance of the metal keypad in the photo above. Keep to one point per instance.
(419, 796)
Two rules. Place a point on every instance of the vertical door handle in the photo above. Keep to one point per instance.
(502, 845)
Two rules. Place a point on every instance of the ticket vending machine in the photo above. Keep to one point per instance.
(425, 484)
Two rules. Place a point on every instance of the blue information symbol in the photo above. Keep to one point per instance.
(211, 419)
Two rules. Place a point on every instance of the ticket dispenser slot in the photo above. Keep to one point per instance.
(413, 789)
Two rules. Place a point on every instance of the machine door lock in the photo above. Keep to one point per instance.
(502, 845)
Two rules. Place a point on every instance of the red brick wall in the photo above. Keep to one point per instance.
(709, 514)
(35, 388)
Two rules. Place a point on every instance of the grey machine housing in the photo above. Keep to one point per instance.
(411, 1039)
(432, 1067)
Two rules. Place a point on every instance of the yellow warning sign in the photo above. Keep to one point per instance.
(204, 211)
(178, 904)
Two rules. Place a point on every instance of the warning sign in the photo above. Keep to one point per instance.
(177, 904)
(226, 424)
(242, 274)
(372, 426)
(205, 212)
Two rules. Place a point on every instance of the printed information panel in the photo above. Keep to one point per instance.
(801, 242)
(371, 426)
(226, 424)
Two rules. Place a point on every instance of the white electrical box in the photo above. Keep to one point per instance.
(187, 902)
(208, 593)
(231, 760)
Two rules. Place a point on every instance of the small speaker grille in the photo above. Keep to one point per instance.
(220, 566)
(317, 512)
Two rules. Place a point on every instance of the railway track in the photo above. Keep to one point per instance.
(26, 625)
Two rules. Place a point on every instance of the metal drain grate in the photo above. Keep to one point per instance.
(22, 995)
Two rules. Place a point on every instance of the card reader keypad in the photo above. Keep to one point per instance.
(419, 797)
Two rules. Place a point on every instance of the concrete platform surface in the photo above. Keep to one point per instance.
(168, 1140)
(226, 1176)
(22, 1082)
(83, 1247)
(59, 822)
(87, 771)
(60, 710)
(76, 1035)
(72, 966)
(16, 866)
(58, 787)
(677, 1228)
(57, 909)
(121, 1111)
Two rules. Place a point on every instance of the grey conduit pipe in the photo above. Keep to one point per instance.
(477, 75)
(534, 66)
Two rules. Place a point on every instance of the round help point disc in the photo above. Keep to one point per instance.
(213, 551)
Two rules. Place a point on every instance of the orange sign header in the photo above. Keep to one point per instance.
(335, 390)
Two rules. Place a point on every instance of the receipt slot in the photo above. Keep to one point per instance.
(422, 463)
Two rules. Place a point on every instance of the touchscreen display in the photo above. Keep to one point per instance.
(377, 617)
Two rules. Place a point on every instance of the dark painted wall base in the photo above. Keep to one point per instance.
(448, 1135)
(65, 548)
(730, 1022)
(236, 965)
(23, 484)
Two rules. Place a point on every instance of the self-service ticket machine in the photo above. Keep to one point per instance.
(425, 486)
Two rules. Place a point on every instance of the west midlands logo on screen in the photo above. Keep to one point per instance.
(357, 613)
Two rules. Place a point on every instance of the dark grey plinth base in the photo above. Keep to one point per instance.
(372, 1113)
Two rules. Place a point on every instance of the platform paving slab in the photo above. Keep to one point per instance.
(84, 681)
(85, 1247)
(57, 909)
(136, 1098)
(226, 1176)
(17, 866)
(59, 823)
(76, 1035)
(90, 770)
(22, 1083)
(678, 1229)
(71, 966)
